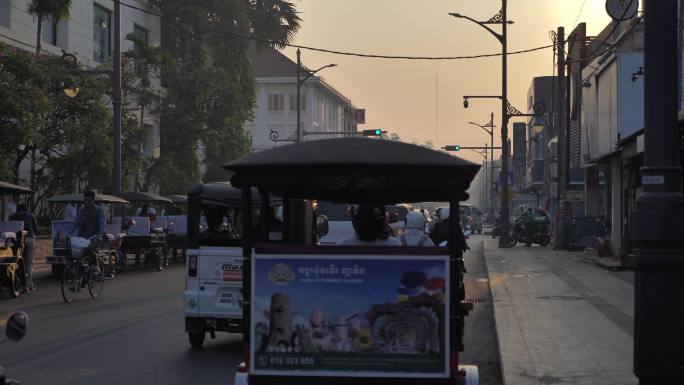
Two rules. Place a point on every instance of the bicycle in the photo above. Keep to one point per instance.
(80, 271)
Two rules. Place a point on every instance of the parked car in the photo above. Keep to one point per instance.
(471, 215)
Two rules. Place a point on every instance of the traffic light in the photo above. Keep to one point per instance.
(376, 132)
(453, 148)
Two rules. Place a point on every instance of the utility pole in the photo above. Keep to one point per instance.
(299, 98)
(503, 239)
(116, 96)
(657, 221)
(562, 160)
(490, 190)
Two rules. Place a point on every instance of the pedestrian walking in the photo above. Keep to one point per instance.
(31, 228)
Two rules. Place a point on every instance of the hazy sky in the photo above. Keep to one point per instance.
(399, 95)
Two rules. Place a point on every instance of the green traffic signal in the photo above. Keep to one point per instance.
(453, 148)
(376, 132)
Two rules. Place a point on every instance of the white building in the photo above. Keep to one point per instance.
(323, 108)
(88, 33)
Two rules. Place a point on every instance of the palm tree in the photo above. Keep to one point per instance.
(57, 9)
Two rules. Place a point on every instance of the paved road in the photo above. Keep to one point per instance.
(134, 334)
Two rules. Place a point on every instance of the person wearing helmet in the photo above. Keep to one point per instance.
(440, 233)
(414, 235)
(371, 226)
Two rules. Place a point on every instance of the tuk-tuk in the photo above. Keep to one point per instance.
(62, 229)
(177, 219)
(144, 229)
(353, 314)
(212, 299)
(12, 243)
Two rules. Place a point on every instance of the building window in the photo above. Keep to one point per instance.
(276, 102)
(102, 33)
(141, 42)
(49, 31)
(5, 13)
(293, 102)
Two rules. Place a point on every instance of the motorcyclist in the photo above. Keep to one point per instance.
(414, 235)
(528, 223)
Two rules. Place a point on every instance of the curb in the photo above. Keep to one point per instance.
(496, 323)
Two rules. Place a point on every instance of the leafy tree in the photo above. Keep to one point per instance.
(208, 84)
(41, 9)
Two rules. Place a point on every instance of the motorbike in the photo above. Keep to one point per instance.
(540, 232)
(16, 328)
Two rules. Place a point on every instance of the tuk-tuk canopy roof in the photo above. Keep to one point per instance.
(14, 189)
(139, 196)
(222, 193)
(177, 198)
(78, 198)
(356, 170)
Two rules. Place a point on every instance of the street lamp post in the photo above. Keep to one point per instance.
(299, 88)
(500, 18)
(489, 128)
(485, 157)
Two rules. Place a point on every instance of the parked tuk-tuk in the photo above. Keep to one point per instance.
(177, 228)
(144, 226)
(12, 242)
(62, 229)
(212, 300)
(353, 314)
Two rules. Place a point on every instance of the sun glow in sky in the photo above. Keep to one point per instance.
(400, 96)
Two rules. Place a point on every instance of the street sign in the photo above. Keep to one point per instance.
(360, 116)
(519, 145)
(574, 196)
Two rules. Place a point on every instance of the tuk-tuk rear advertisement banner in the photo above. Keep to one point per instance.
(374, 316)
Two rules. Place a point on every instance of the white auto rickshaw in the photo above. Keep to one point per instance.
(332, 314)
(12, 243)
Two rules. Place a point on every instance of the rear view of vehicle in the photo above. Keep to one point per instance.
(213, 281)
(472, 216)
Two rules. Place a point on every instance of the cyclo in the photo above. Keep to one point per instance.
(353, 314)
(62, 228)
(12, 244)
(145, 231)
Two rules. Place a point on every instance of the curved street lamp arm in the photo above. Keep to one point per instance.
(479, 153)
(311, 73)
(482, 127)
(497, 35)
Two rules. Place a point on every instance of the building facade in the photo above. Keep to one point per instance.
(88, 33)
(323, 108)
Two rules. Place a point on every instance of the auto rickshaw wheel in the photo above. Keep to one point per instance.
(18, 280)
(160, 260)
(196, 339)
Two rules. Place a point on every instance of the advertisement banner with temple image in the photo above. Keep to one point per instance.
(368, 316)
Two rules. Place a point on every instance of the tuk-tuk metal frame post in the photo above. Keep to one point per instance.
(286, 220)
(264, 216)
(456, 288)
(246, 263)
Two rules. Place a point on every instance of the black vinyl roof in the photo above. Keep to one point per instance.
(222, 193)
(78, 198)
(13, 188)
(139, 196)
(177, 198)
(356, 170)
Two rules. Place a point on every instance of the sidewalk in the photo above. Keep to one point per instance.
(560, 320)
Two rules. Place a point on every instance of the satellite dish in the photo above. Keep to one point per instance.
(621, 10)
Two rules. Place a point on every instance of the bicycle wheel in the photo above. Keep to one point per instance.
(96, 278)
(71, 282)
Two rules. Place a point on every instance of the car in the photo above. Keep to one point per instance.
(473, 216)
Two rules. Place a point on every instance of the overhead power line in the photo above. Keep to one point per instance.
(325, 50)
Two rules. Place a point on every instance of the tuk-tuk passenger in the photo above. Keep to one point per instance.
(215, 232)
(371, 224)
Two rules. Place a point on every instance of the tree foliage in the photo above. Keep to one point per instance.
(209, 89)
(41, 9)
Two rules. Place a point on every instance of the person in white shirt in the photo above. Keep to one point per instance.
(414, 235)
(371, 227)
